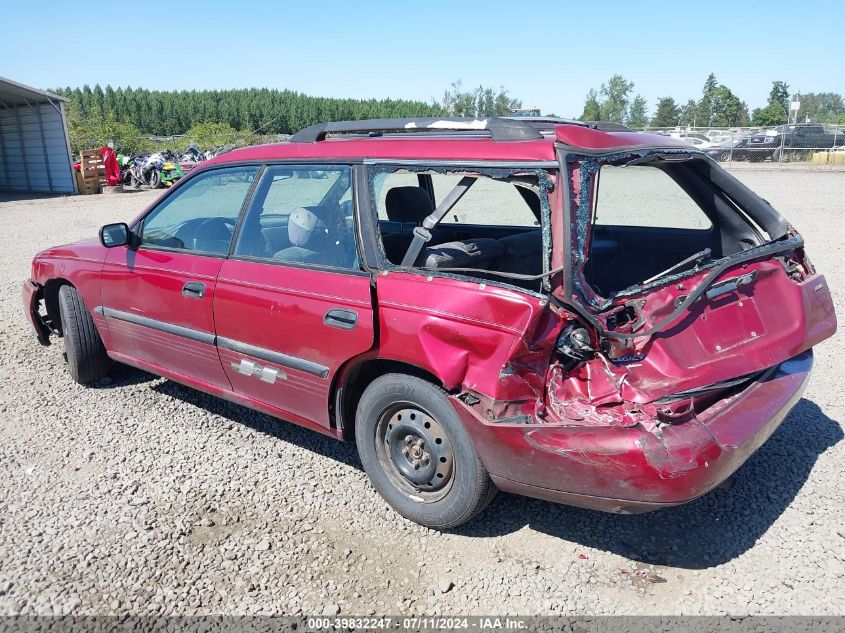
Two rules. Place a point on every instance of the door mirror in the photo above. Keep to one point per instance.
(112, 235)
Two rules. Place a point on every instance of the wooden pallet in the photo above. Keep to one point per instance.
(92, 172)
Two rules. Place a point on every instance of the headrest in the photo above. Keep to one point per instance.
(408, 204)
(301, 225)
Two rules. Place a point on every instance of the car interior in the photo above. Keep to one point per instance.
(487, 247)
(646, 220)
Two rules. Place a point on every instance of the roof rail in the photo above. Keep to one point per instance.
(609, 126)
(500, 129)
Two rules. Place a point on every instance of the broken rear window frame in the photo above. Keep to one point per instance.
(577, 218)
(546, 174)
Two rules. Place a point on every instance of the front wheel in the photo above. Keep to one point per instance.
(155, 179)
(86, 356)
(417, 453)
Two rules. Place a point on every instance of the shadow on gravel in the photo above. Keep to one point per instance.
(709, 531)
(122, 375)
(313, 441)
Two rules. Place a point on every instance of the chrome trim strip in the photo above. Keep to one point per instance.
(161, 326)
(277, 358)
(292, 362)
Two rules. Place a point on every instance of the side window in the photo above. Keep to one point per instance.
(488, 202)
(301, 214)
(201, 215)
(644, 196)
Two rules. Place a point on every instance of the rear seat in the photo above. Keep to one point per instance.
(475, 253)
(523, 254)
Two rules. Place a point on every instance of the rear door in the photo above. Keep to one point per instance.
(157, 298)
(292, 303)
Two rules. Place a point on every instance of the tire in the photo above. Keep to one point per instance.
(155, 179)
(84, 351)
(402, 420)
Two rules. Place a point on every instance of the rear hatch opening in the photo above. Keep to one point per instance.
(681, 279)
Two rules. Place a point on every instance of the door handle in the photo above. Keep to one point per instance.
(342, 319)
(193, 290)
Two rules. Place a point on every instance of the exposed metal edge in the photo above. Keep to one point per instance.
(618, 149)
(270, 356)
(161, 326)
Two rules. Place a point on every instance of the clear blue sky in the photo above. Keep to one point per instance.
(547, 57)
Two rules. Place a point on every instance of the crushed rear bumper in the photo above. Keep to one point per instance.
(629, 470)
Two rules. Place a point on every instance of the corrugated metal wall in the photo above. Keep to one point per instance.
(34, 149)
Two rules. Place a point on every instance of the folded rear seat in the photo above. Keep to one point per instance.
(476, 253)
(523, 254)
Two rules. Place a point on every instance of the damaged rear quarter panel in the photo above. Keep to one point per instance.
(471, 335)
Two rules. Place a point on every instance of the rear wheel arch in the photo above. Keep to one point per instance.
(354, 380)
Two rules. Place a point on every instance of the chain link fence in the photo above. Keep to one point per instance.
(784, 145)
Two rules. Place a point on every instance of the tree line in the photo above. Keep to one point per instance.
(718, 106)
(128, 116)
(167, 113)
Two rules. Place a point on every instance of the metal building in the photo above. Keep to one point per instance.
(34, 146)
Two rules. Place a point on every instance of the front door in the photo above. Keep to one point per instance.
(157, 298)
(292, 303)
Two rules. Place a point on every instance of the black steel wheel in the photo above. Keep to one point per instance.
(418, 454)
(415, 451)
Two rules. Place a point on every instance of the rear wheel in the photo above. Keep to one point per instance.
(84, 351)
(417, 453)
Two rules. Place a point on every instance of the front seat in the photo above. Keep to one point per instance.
(407, 206)
(309, 238)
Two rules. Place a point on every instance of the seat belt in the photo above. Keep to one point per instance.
(422, 234)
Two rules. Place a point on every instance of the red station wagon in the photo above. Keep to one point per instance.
(575, 312)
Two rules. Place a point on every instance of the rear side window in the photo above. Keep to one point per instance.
(301, 215)
(201, 215)
(644, 196)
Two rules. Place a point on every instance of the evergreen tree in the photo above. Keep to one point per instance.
(637, 116)
(667, 114)
(592, 109)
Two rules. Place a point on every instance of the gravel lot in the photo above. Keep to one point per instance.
(143, 496)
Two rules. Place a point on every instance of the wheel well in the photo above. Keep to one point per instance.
(51, 302)
(349, 393)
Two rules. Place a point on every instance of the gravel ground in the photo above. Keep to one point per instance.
(143, 496)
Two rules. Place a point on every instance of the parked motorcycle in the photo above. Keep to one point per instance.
(159, 168)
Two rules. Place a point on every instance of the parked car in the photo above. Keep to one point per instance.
(785, 141)
(720, 136)
(464, 301)
(692, 138)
